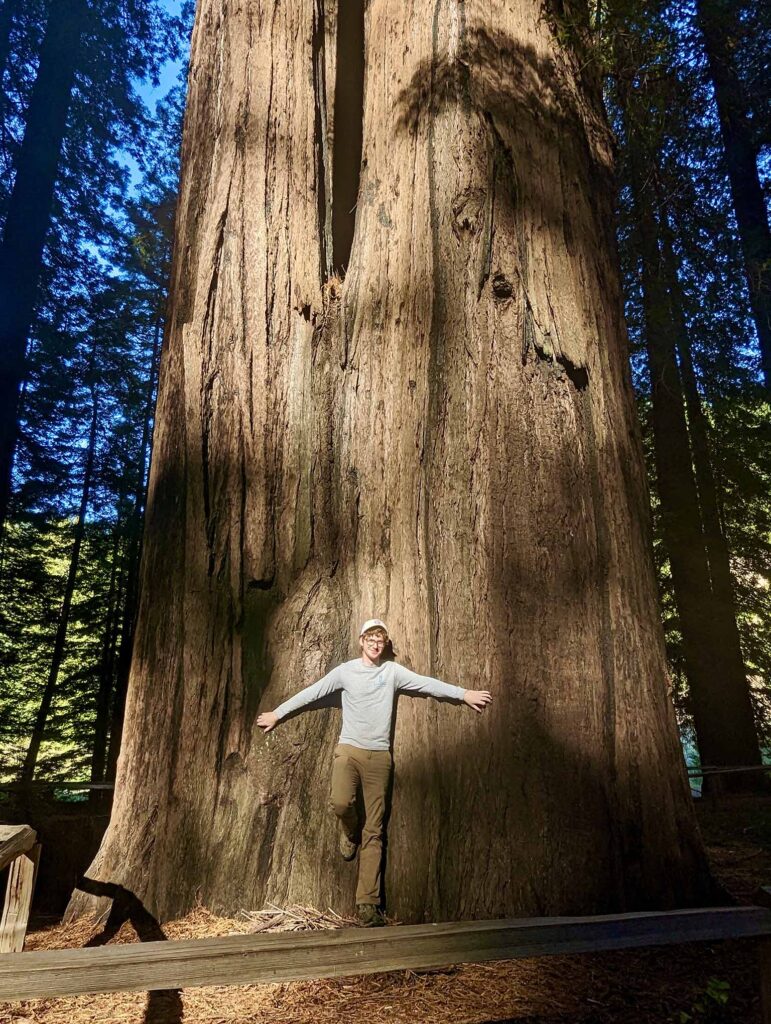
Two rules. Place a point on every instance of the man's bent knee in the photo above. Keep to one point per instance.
(343, 808)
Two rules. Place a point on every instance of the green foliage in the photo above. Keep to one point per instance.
(36, 559)
(98, 328)
(710, 1006)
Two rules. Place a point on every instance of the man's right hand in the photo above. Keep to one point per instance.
(267, 721)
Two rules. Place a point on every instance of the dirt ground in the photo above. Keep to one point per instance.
(704, 983)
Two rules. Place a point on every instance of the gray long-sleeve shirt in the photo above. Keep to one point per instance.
(368, 693)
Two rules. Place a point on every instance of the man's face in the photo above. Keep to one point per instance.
(372, 643)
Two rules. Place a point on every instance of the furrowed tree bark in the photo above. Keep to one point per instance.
(447, 439)
(57, 655)
(29, 214)
(719, 694)
(717, 21)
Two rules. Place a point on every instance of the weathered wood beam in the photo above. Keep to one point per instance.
(247, 959)
(18, 899)
(14, 840)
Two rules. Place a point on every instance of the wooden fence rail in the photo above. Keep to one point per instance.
(280, 957)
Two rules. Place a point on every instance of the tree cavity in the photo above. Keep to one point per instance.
(348, 129)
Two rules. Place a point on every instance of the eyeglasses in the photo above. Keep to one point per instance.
(375, 640)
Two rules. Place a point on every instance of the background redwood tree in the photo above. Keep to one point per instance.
(445, 438)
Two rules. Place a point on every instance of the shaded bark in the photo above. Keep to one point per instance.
(717, 20)
(49, 691)
(719, 693)
(29, 214)
(447, 440)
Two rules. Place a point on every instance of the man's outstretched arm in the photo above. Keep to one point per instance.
(410, 682)
(329, 683)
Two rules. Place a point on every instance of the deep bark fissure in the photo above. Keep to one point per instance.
(349, 116)
(321, 132)
(435, 351)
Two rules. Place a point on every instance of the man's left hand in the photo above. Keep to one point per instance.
(478, 699)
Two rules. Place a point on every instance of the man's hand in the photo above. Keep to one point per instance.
(267, 721)
(476, 699)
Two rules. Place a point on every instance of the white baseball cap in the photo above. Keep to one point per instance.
(373, 624)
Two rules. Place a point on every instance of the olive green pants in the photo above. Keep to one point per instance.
(370, 771)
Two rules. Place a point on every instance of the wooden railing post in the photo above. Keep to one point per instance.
(20, 854)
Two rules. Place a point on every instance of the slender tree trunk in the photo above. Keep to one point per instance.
(49, 691)
(447, 440)
(719, 695)
(717, 20)
(133, 554)
(107, 662)
(726, 633)
(29, 214)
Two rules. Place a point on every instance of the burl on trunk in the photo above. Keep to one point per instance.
(445, 439)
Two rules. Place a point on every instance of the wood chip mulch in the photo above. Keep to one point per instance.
(672, 985)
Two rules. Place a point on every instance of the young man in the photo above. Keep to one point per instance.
(363, 755)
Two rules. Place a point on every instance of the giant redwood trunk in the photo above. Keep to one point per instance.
(445, 439)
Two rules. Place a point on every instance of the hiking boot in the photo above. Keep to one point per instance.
(369, 915)
(348, 847)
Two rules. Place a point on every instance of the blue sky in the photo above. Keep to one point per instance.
(151, 93)
(147, 91)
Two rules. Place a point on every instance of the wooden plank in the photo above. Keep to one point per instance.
(18, 898)
(15, 839)
(278, 957)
